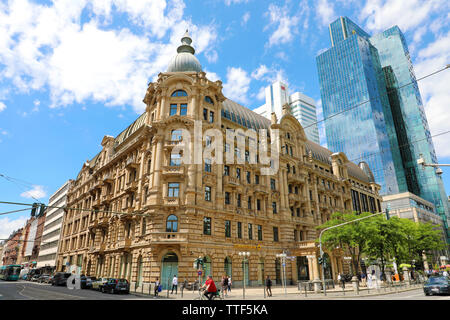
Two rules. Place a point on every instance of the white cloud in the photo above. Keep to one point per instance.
(245, 18)
(325, 12)
(237, 85)
(286, 25)
(46, 45)
(7, 226)
(37, 192)
(383, 14)
(2, 106)
(230, 2)
(211, 75)
(434, 90)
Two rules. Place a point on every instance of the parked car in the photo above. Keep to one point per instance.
(116, 285)
(437, 285)
(43, 278)
(86, 282)
(60, 279)
(49, 280)
(99, 282)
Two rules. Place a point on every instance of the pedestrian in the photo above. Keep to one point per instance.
(341, 279)
(224, 285)
(363, 279)
(175, 284)
(369, 280)
(445, 273)
(157, 287)
(269, 286)
(229, 284)
(374, 280)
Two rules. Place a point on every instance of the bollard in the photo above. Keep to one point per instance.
(306, 293)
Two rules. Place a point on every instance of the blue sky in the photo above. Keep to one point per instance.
(74, 71)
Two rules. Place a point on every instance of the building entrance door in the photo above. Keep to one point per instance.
(169, 268)
(302, 268)
(277, 271)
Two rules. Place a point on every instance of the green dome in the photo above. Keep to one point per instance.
(185, 59)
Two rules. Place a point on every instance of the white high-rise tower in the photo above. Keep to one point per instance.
(303, 108)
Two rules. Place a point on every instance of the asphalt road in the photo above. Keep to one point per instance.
(24, 290)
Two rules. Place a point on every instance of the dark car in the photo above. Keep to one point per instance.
(85, 282)
(437, 285)
(115, 285)
(60, 278)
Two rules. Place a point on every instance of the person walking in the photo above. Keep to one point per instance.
(374, 280)
(157, 287)
(341, 279)
(175, 284)
(363, 279)
(269, 286)
(224, 285)
(229, 284)
(369, 280)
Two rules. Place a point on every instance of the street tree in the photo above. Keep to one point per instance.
(351, 237)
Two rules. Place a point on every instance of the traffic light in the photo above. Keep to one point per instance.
(320, 260)
(33, 209)
(42, 210)
(387, 214)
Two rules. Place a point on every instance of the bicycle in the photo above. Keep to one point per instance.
(215, 296)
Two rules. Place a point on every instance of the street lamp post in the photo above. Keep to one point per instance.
(282, 257)
(245, 256)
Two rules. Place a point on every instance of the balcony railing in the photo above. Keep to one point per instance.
(295, 177)
(171, 201)
(173, 170)
(228, 180)
(131, 162)
(169, 237)
(261, 188)
(131, 186)
(107, 178)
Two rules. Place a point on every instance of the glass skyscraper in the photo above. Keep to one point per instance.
(386, 125)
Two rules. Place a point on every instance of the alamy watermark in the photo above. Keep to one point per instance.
(220, 150)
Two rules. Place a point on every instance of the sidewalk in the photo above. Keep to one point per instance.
(292, 293)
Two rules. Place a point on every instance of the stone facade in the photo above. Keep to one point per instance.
(179, 212)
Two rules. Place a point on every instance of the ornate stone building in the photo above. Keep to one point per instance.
(178, 212)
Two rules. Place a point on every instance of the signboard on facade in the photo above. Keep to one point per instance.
(247, 246)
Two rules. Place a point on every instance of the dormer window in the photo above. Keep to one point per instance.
(209, 100)
(179, 93)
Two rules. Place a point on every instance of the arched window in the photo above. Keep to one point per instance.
(179, 93)
(172, 223)
(209, 100)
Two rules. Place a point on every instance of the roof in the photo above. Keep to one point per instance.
(241, 115)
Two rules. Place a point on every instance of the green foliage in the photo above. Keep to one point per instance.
(381, 239)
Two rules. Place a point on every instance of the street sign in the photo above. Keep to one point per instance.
(284, 264)
(347, 258)
(199, 272)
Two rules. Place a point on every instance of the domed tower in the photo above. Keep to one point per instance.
(182, 99)
(185, 59)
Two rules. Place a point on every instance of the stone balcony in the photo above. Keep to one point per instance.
(171, 201)
(172, 171)
(108, 178)
(131, 163)
(106, 198)
(308, 244)
(231, 181)
(169, 237)
(260, 189)
(124, 244)
(295, 178)
(131, 186)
